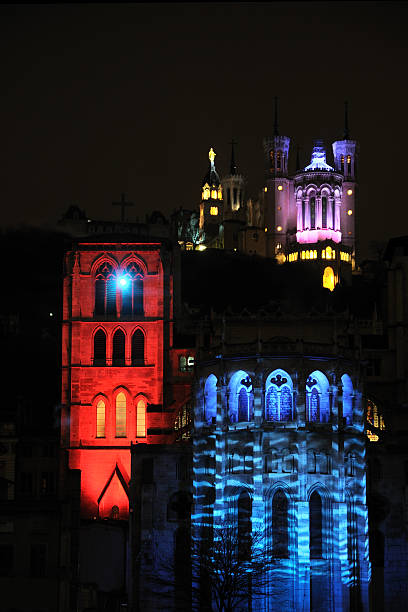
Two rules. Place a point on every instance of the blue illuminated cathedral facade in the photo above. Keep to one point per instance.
(279, 451)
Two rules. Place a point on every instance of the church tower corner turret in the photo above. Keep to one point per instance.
(211, 205)
(279, 216)
(345, 153)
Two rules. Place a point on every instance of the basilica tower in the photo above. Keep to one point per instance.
(279, 217)
(211, 205)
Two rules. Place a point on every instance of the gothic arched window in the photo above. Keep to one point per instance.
(138, 347)
(100, 419)
(244, 525)
(120, 415)
(315, 526)
(99, 348)
(210, 399)
(312, 212)
(278, 399)
(118, 348)
(347, 399)
(280, 525)
(132, 292)
(324, 212)
(243, 405)
(141, 418)
(105, 289)
(317, 398)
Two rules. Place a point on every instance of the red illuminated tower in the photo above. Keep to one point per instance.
(121, 380)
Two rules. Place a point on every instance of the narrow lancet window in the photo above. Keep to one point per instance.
(121, 415)
(141, 418)
(138, 347)
(324, 212)
(315, 526)
(118, 348)
(280, 526)
(313, 213)
(100, 348)
(100, 419)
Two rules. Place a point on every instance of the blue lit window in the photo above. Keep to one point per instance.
(131, 288)
(280, 525)
(241, 399)
(316, 526)
(278, 399)
(105, 289)
(317, 398)
(210, 400)
(347, 399)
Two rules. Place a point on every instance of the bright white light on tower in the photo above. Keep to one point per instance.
(123, 282)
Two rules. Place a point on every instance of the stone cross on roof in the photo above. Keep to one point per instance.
(123, 205)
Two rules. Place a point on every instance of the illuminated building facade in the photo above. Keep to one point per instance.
(306, 215)
(279, 450)
(118, 363)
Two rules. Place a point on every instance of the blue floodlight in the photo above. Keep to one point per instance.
(123, 282)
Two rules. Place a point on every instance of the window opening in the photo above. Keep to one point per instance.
(121, 415)
(141, 418)
(100, 419)
(100, 348)
(138, 347)
(118, 348)
(313, 213)
(324, 212)
(315, 526)
(280, 525)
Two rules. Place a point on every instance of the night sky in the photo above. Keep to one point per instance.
(102, 99)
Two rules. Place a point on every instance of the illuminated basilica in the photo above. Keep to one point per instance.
(301, 216)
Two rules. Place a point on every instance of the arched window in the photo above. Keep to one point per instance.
(342, 163)
(324, 212)
(280, 525)
(105, 289)
(317, 398)
(241, 398)
(244, 525)
(349, 164)
(315, 526)
(347, 399)
(99, 348)
(329, 281)
(243, 405)
(278, 399)
(138, 347)
(312, 212)
(303, 215)
(210, 400)
(114, 513)
(334, 215)
(100, 419)
(118, 348)
(121, 415)
(132, 291)
(141, 418)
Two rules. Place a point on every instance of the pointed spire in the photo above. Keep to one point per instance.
(346, 126)
(275, 125)
(233, 167)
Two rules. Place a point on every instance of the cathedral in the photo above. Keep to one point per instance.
(188, 429)
(307, 215)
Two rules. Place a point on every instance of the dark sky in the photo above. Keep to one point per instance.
(103, 98)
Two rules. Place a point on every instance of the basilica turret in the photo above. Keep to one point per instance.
(279, 217)
(345, 160)
(211, 206)
(233, 188)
